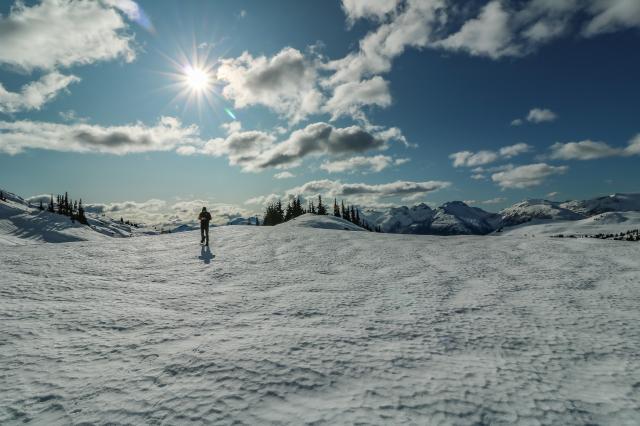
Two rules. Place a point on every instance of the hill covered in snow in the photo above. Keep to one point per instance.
(320, 327)
(24, 223)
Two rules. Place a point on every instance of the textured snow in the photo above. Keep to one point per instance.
(301, 325)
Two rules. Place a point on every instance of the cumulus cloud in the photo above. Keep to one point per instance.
(612, 15)
(371, 9)
(473, 159)
(375, 163)
(366, 194)
(349, 98)
(527, 176)
(284, 175)
(167, 134)
(263, 200)
(35, 94)
(591, 150)
(255, 150)
(62, 33)
(285, 83)
(164, 214)
(488, 34)
(536, 115)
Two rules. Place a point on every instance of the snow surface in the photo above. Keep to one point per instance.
(299, 325)
(611, 203)
(605, 223)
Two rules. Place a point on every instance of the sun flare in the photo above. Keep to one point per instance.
(196, 78)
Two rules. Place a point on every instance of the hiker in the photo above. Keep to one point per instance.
(204, 217)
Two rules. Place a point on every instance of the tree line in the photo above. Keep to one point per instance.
(275, 213)
(66, 207)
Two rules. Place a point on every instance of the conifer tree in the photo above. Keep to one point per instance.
(51, 208)
(2, 196)
(353, 216)
(321, 208)
(257, 221)
(358, 217)
(288, 214)
(41, 207)
(345, 212)
(336, 209)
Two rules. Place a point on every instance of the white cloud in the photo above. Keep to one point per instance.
(231, 127)
(612, 15)
(541, 115)
(591, 150)
(349, 98)
(366, 194)
(552, 194)
(262, 200)
(514, 150)
(516, 122)
(372, 9)
(375, 163)
(491, 201)
(284, 175)
(285, 83)
(162, 213)
(526, 176)
(487, 35)
(35, 94)
(167, 134)
(480, 158)
(62, 33)
(255, 150)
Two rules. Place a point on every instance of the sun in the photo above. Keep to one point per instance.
(197, 79)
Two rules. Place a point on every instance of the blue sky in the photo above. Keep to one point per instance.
(384, 102)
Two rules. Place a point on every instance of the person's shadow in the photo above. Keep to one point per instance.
(206, 255)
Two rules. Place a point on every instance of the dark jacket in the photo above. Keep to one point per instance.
(204, 218)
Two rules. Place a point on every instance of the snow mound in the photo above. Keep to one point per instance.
(309, 220)
(605, 223)
(23, 223)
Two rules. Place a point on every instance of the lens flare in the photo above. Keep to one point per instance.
(230, 113)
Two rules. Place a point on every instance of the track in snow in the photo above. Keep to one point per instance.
(320, 326)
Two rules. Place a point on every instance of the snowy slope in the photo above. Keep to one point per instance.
(321, 222)
(22, 223)
(610, 203)
(605, 223)
(318, 327)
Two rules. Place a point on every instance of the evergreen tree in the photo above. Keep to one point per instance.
(298, 210)
(353, 216)
(2, 196)
(336, 209)
(279, 212)
(257, 221)
(81, 217)
(358, 217)
(41, 207)
(345, 212)
(321, 208)
(288, 214)
(312, 207)
(51, 208)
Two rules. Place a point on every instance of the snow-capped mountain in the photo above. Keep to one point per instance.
(458, 218)
(452, 218)
(528, 210)
(610, 203)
